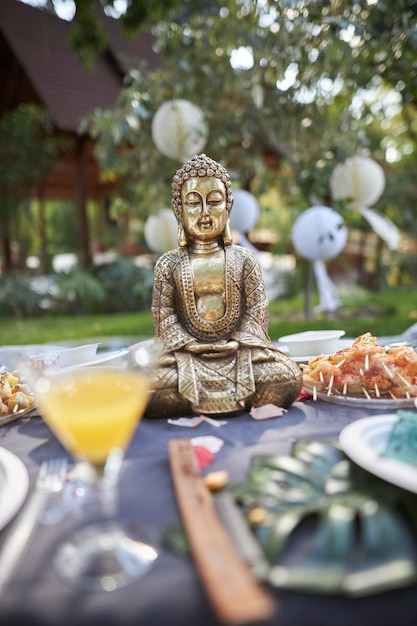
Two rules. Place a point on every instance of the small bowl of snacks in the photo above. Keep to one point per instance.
(16, 398)
(312, 342)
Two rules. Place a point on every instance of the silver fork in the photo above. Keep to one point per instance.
(50, 480)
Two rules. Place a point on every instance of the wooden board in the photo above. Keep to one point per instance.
(236, 596)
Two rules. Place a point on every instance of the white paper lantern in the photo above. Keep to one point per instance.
(161, 231)
(360, 179)
(179, 130)
(363, 180)
(319, 233)
(245, 211)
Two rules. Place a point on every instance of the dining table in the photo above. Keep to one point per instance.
(172, 592)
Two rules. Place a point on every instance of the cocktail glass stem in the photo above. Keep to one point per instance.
(105, 554)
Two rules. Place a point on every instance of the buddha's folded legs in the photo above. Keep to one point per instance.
(276, 382)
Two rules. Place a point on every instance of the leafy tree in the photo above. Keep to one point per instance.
(27, 151)
(299, 94)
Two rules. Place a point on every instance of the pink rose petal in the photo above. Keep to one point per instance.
(204, 456)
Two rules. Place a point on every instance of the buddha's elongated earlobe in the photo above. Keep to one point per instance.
(227, 234)
(181, 237)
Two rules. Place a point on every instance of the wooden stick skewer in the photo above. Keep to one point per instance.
(388, 371)
(406, 383)
(329, 390)
(366, 393)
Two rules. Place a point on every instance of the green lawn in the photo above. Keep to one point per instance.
(386, 313)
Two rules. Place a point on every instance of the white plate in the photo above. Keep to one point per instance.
(366, 403)
(364, 440)
(14, 484)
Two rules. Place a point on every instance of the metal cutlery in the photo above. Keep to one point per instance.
(50, 480)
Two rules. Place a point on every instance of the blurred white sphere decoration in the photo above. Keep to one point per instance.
(245, 211)
(319, 233)
(244, 216)
(161, 231)
(179, 129)
(361, 181)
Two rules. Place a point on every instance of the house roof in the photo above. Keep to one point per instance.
(39, 42)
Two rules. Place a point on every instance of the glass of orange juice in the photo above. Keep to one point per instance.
(94, 412)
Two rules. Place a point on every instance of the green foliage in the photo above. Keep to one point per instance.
(114, 287)
(77, 291)
(128, 286)
(27, 148)
(17, 296)
(87, 33)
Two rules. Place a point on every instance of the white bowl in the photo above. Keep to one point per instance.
(77, 355)
(67, 357)
(312, 342)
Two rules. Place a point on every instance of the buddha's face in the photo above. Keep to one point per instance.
(204, 208)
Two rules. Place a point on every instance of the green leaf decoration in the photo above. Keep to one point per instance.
(328, 526)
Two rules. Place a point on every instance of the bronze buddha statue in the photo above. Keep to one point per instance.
(210, 310)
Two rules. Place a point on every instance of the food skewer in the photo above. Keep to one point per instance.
(388, 371)
(329, 390)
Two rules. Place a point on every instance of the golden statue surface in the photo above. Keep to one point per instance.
(210, 310)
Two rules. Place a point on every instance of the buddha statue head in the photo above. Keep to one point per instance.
(202, 200)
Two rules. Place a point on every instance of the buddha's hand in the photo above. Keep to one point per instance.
(213, 350)
(260, 355)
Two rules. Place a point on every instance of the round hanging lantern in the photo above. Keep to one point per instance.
(319, 233)
(360, 179)
(179, 130)
(161, 231)
(245, 211)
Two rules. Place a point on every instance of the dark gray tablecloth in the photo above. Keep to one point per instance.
(171, 593)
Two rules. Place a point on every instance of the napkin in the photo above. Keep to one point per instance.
(402, 441)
